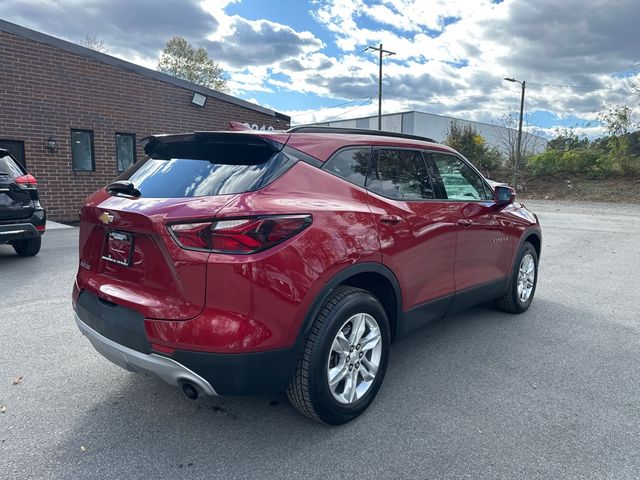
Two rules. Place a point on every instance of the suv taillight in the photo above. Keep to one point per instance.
(26, 181)
(239, 235)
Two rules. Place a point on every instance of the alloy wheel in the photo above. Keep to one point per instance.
(354, 358)
(526, 277)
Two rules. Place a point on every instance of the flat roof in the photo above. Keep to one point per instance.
(117, 62)
(430, 114)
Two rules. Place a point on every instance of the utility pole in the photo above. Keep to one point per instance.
(382, 52)
(519, 142)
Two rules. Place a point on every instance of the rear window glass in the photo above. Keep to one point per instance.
(350, 164)
(184, 177)
(9, 167)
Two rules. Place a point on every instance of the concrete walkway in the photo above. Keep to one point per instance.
(55, 225)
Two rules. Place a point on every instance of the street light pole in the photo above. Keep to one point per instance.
(381, 51)
(519, 144)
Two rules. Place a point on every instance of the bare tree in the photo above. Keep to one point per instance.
(93, 43)
(506, 132)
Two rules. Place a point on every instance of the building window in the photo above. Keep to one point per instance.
(125, 150)
(82, 156)
(16, 148)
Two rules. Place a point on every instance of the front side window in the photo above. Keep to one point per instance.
(459, 180)
(401, 175)
(350, 164)
(82, 150)
(125, 150)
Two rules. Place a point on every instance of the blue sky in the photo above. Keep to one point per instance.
(302, 57)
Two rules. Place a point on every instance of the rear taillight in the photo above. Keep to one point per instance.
(239, 235)
(26, 181)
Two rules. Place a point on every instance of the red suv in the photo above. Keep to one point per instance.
(232, 263)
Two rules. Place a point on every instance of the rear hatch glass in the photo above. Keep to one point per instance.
(16, 201)
(216, 165)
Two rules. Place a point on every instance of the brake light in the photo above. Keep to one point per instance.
(26, 181)
(240, 235)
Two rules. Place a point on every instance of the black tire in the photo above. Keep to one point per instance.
(510, 301)
(27, 248)
(309, 390)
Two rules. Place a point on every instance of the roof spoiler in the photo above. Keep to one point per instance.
(244, 148)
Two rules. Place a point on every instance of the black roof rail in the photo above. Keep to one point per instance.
(356, 131)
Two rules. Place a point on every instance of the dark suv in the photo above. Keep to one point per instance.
(232, 263)
(22, 218)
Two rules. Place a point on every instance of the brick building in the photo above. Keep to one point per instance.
(75, 117)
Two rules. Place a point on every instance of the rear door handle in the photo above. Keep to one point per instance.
(465, 222)
(390, 219)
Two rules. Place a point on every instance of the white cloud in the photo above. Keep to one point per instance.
(451, 55)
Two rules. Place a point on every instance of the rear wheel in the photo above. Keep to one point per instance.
(27, 248)
(522, 284)
(344, 358)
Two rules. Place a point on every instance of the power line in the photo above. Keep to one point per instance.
(580, 87)
(335, 106)
(447, 97)
(348, 111)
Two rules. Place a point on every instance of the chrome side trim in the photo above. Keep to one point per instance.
(166, 369)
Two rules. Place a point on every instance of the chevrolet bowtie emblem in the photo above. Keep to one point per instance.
(106, 218)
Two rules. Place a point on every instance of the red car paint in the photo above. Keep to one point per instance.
(233, 303)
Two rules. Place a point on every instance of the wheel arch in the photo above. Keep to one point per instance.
(534, 238)
(532, 235)
(373, 277)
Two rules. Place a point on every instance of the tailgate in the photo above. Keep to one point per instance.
(127, 257)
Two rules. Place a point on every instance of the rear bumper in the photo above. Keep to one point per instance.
(17, 231)
(118, 333)
(23, 229)
(152, 364)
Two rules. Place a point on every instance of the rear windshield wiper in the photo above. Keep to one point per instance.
(123, 186)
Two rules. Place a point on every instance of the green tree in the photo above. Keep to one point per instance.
(566, 139)
(183, 61)
(619, 121)
(466, 140)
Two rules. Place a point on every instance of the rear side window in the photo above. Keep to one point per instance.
(459, 180)
(350, 164)
(9, 167)
(185, 177)
(400, 174)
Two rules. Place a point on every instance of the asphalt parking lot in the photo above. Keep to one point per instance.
(552, 393)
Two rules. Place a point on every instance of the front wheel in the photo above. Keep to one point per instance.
(344, 358)
(522, 284)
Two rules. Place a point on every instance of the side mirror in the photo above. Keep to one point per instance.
(504, 195)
